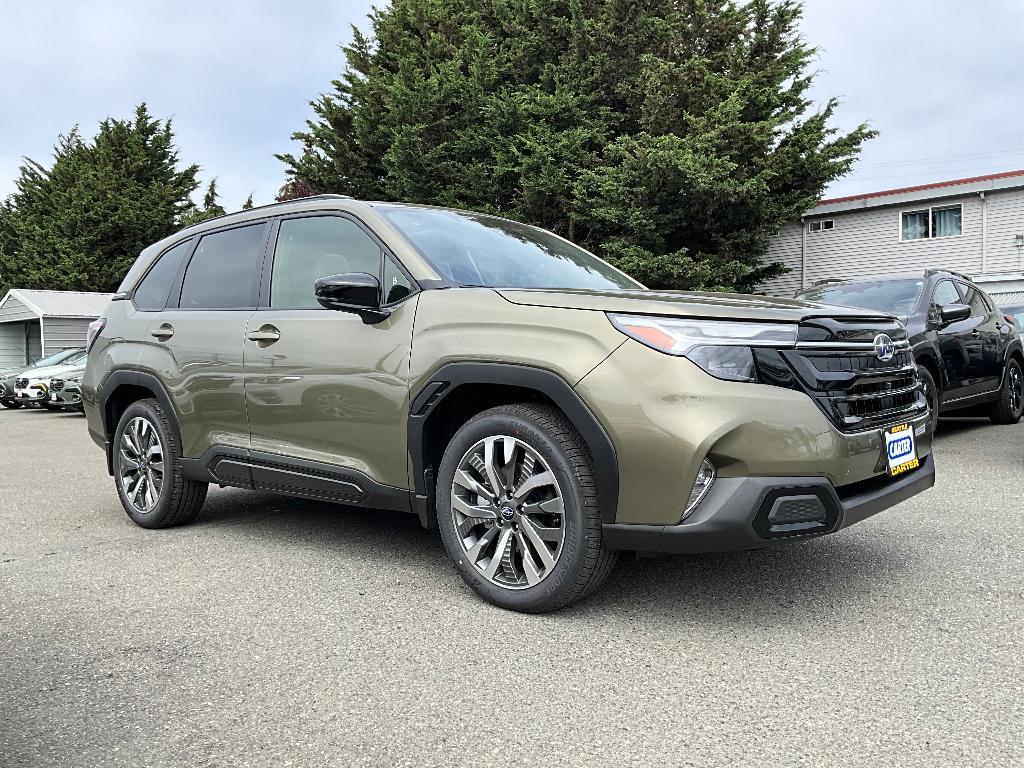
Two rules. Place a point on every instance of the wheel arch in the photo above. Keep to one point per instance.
(458, 391)
(120, 390)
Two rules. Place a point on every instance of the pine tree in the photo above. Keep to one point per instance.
(673, 137)
(80, 224)
(248, 203)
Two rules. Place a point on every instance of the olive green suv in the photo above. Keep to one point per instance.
(539, 407)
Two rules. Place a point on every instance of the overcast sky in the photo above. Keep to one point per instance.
(943, 81)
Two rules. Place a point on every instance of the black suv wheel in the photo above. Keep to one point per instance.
(517, 509)
(147, 469)
(1010, 406)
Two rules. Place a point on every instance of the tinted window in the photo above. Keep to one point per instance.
(975, 300)
(472, 249)
(308, 249)
(152, 291)
(945, 293)
(898, 297)
(224, 270)
(396, 285)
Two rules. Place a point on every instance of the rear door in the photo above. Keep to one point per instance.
(984, 344)
(194, 346)
(322, 385)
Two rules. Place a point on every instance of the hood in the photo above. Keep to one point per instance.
(49, 371)
(722, 306)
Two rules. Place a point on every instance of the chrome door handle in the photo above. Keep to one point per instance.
(268, 334)
(162, 333)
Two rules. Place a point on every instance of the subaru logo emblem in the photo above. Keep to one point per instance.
(884, 347)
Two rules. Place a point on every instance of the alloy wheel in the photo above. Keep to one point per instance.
(508, 512)
(1016, 389)
(141, 464)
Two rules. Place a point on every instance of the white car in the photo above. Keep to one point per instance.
(32, 387)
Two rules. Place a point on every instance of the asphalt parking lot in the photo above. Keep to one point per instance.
(279, 632)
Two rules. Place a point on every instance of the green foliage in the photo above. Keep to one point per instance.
(80, 224)
(673, 137)
(209, 210)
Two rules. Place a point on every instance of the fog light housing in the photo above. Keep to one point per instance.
(701, 486)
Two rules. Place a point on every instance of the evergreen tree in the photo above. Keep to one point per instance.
(209, 209)
(248, 203)
(80, 224)
(673, 137)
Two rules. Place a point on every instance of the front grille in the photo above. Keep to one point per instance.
(835, 363)
(56, 385)
(21, 383)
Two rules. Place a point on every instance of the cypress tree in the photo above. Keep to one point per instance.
(672, 137)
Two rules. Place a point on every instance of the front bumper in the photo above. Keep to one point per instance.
(736, 513)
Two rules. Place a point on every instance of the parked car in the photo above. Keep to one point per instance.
(540, 407)
(65, 389)
(968, 355)
(10, 376)
(32, 387)
(1014, 313)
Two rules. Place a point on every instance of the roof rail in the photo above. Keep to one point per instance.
(961, 275)
(828, 281)
(326, 196)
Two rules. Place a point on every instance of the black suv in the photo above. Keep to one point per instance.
(968, 355)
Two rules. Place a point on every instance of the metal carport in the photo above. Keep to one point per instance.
(38, 323)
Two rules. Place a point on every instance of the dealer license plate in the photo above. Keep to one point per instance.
(901, 449)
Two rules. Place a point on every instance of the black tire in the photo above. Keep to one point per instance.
(583, 562)
(51, 407)
(1010, 405)
(179, 499)
(12, 404)
(932, 395)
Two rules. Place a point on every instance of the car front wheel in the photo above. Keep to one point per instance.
(931, 396)
(10, 403)
(147, 469)
(1010, 406)
(518, 511)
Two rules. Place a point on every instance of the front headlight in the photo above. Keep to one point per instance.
(723, 348)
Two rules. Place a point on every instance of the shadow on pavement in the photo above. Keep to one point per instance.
(802, 583)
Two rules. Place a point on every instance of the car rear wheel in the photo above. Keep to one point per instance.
(10, 404)
(518, 511)
(1010, 406)
(931, 395)
(147, 469)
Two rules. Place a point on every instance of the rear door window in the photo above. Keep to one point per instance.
(224, 271)
(156, 285)
(975, 300)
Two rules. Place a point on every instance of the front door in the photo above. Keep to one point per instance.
(321, 385)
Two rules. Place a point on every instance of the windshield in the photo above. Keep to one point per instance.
(472, 249)
(64, 356)
(897, 297)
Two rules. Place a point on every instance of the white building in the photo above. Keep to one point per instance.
(974, 226)
(35, 324)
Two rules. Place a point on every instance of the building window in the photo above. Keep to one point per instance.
(939, 221)
(818, 226)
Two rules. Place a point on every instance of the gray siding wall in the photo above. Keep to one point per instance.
(12, 345)
(867, 242)
(1005, 221)
(64, 332)
(13, 309)
(785, 248)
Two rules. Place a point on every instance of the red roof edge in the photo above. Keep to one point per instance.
(921, 187)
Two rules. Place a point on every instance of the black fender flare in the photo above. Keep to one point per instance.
(122, 378)
(445, 383)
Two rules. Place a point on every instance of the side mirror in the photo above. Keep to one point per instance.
(356, 292)
(954, 313)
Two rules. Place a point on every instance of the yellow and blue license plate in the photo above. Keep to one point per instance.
(901, 449)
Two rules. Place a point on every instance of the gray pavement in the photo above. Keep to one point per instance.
(276, 632)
